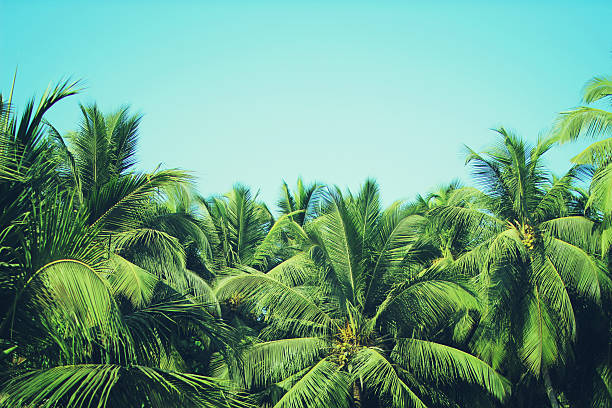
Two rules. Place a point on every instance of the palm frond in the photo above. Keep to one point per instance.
(324, 385)
(539, 348)
(118, 203)
(90, 385)
(597, 88)
(439, 363)
(286, 305)
(584, 120)
(296, 270)
(272, 361)
(598, 153)
(379, 375)
(74, 305)
(131, 281)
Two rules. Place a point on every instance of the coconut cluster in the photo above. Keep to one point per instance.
(346, 345)
(234, 301)
(529, 237)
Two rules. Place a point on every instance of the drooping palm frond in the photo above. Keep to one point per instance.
(277, 240)
(380, 376)
(108, 385)
(586, 120)
(295, 271)
(539, 347)
(273, 361)
(440, 363)
(118, 203)
(66, 306)
(131, 281)
(288, 307)
(580, 270)
(323, 385)
(426, 301)
(598, 153)
(151, 244)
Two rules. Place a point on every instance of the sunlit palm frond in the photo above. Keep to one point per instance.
(107, 385)
(156, 244)
(275, 241)
(118, 203)
(73, 304)
(586, 120)
(288, 307)
(131, 281)
(296, 270)
(598, 153)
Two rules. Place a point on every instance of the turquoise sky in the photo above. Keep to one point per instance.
(336, 91)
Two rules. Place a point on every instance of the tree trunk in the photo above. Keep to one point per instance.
(550, 392)
(356, 395)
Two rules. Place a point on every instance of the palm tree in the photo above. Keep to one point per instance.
(535, 258)
(438, 241)
(304, 200)
(237, 224)
(84, 328)
(588, 121)
(81, 325)
(350, 323)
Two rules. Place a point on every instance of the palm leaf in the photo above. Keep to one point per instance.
(272, 361)
(378, 374)
(439, 363)
(131, 281)
(324, 385)
(90, 385)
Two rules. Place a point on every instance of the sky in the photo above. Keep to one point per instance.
(333, 91)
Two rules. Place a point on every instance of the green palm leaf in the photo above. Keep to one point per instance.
(90, 385)
(324, 385)
(379, 375)
(439, 363)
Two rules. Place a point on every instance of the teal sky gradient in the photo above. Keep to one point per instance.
(335, 91)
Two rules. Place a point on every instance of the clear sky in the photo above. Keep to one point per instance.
(335, 91)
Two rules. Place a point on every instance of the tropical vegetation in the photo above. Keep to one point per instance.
(120, 288)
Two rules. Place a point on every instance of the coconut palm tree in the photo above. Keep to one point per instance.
(84, 328)
(304, 200)
(588, 121)
(80, 325)
(535, 259)
(237, 225)
(351, 323)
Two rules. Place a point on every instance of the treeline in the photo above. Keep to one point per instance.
(127, 289)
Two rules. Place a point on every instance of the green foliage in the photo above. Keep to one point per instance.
(127, 289)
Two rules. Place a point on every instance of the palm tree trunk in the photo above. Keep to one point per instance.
(356, 395)
(550, 392)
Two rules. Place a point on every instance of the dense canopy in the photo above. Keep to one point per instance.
(120, 288)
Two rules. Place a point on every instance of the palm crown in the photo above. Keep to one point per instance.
(350, 319)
